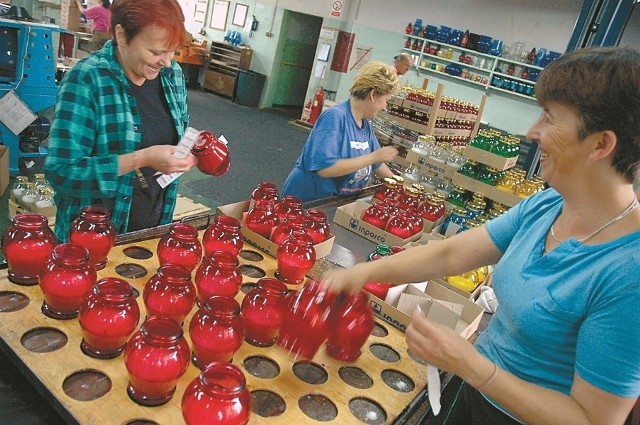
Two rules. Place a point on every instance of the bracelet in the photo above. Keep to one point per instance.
(491, 378)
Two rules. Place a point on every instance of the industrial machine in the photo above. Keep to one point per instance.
(28, 87)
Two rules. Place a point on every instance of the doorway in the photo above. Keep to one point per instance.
(297, 46)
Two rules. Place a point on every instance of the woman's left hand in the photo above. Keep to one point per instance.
(441, 346)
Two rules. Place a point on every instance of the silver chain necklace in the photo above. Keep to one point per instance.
(617, 218)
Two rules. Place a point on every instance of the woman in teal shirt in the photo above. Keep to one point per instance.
(564, 345)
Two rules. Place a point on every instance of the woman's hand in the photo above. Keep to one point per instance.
(385, 154)
(161, 158)
(344, 280)
(442, 347)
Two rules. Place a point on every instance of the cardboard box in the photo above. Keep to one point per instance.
(397, 308)
(427, 225)
(472, 184)
(348, 216)
(488, 158)
(427, 164)
(4, 169)
(239, 208)
(505, 198)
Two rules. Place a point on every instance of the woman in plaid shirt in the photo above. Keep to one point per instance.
(119, 114)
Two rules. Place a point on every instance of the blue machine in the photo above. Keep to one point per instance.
(28, 69)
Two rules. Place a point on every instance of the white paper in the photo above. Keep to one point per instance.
(323, 52)
(14, 113)
(327, 33)
(182, 150)
(433, 388)
(319, 71)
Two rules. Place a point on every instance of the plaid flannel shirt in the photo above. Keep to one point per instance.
(95, 120)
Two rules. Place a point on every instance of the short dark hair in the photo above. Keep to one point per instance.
(603, 85)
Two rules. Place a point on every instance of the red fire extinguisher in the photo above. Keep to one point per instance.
(306, 112)
(316, 108)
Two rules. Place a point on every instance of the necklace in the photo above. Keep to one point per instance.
(617, 218)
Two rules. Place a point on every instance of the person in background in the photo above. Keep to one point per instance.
(402, 63)
(564, 345)
(100, 15)
(119, 114)
(342, 150)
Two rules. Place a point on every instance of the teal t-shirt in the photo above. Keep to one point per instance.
(335, 136)
(575, 309)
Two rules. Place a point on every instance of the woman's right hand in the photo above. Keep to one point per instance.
(344, 280)
(161, 158)
(386, 154)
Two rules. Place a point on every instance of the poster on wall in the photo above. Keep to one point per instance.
(201, 10)
(219, 15)
(362, 56)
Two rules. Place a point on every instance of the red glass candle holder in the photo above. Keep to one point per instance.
(27, 244)
(351, 325)
(291, 223)
(156, 357)
(180, 246)
(376, 215)
(262, 219)
(379, 289)
(216, 330)
(288, 205)
(218, 275)
(295, 258)
(170, 293)
(401, 225)
(386, 190)
(392, 205)
(218, 396)
(66, 280)
(262, 311)
(223, 234)
(431, 209)
(93, 230)
(108, 316)
(305, 325)
(318, 229)
(213, 155)
(264, 190)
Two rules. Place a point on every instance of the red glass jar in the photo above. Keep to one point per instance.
(387, 190)
(431, 209)
(379, 289)
(401, 225)
(27, 245)
(108, 316)
(262, 219)
(262, 311)
(295, 258)
(304, 322)
(180, 246)
(156, 357)
(93, 230)
(392, 205)
(213, 155)
(318, 229)
(216, 330)
(219, 274)
(377, 215)
(292, 223)
(223, 234)
(416, 218)
(351, 325)
(410, 200)
(170, 293)
(264, 190)
(288, 205)
(218, 396)
(66, 280)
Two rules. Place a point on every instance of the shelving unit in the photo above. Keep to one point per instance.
(225, 62)
(484, 70)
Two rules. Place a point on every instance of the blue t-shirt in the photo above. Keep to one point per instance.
(335, 136)
(573, 309)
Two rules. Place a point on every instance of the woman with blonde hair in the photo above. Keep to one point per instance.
(342, 150)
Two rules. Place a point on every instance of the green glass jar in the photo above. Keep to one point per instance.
(382, 250)
(489, 175)
(457, 196)
(481, 141)
(469, 169)
(501, 147)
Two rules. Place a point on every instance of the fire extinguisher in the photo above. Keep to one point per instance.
(316, 108)
(306, 112)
